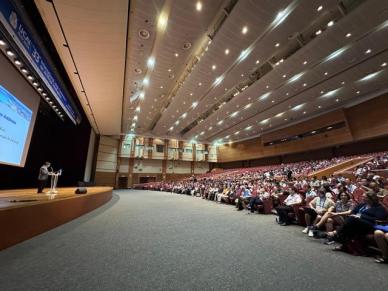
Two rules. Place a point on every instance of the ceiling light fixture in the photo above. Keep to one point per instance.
(277, 44)
(264, 96)
(10, 53)
(257, 62)
(198, 6)
(244, 30)
(297, 107)
(348, 34)
(214, 67)
(2, 42)
(247, 106)
(305, 63)
(162, 21)
(29, 77)
(176, 55)
(195, 104)
(151, 63)
(279, 114)
(184, 115)
(146, 81)
(331, 23)
(227, 51)
(368, 51)
(384, 64)
(220, 122)
(137, 109)
(264, 121)
(248, 127)
(236, 133)
(318, 32)
(319, 8)
(17, 62)
(370, 76)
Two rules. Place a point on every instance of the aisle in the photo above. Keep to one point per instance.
(145, 240)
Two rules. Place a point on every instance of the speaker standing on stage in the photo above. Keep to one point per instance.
(43, 176)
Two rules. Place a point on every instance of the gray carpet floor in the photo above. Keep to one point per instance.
(143, 240)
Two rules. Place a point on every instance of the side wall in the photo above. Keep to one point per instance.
(365, 121)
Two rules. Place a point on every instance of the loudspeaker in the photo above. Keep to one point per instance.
(81, 190)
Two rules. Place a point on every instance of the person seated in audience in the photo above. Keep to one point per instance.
(257, 201)
(285, 210)
(244, 198)
(336, 214)
(381, 239)
(316, 209)
(361, 220)
(310, 192)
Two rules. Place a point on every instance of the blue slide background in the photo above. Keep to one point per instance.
(15, 119)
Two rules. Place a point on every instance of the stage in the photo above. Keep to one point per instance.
(24, 213)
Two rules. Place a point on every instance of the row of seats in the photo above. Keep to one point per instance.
(287, 191)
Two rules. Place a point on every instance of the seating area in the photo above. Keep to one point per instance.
(334, 209)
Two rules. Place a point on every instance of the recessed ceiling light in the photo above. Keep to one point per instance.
(171, 128)
(237, 132)
(24, 70)
(297, 107)
(383, 64)
(318, 32)
(358, 92)
(305, 63)
(287, 94)
(331, 23)
(227, 51)
(279, 114)
(368, 51)
(35, 83)
(135, 117)
(337, 100)
(319, 106)
(10, 53)
(220, 122)
(214, 67)
(198, 6)
(176, 55)
(284, 76)
(2, 42)
(319, 8)
(137, 109)
(304, 112)
(40, 89)
(277, 44)
(248, 127)
(247, 106)
(242, 75)
(199, 84)
(194, 104)
(18, 63)
(273, 101)
(257, 61)
(184, 115)
(29, 77)
(304, 84)
(348, 34)
(326, 73)
(322, 92)
(142, 94)
(44, 94)
(151, 62)
(162, 21)
(343, 83)
(146, 81)
(244, 30)
(169, 70)
(211, 127)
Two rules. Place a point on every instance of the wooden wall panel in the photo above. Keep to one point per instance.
(364, 121)
(369, 119)
(105, 179)
(306, 126)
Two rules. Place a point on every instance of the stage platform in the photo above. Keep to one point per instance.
(24, 213)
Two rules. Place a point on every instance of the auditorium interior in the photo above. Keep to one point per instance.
(193, 145)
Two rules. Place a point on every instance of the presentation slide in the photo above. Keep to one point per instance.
(15, 119)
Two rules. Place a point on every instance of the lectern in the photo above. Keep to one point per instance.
(54, 181)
